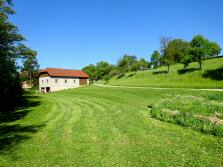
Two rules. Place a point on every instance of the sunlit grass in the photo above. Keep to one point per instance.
(95, 126)
(211, 76)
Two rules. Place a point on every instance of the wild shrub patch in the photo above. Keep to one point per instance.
(200, 113)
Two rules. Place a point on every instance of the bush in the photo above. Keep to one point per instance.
(199, 113)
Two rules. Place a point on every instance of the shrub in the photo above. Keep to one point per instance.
(199, 113)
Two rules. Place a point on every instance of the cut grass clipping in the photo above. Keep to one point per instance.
(199, 113)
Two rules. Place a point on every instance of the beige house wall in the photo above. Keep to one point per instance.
(60, 84)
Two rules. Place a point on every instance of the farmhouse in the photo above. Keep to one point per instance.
(54, 79)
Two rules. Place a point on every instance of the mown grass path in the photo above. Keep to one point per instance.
(97, 126)
(157, 88)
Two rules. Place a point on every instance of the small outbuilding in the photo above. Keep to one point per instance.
(54, 79)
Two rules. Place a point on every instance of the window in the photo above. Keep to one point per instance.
(74, 81)
(65, 81)
(56, 80)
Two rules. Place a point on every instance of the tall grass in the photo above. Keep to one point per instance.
(198, 113)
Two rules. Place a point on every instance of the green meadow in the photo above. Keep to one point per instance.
(211, 76)
(98, 126)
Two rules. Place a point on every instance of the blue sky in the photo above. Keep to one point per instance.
(75, 33)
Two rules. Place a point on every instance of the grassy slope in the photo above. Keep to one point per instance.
(95, 126)
(190, 79)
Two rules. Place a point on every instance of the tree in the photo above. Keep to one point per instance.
(199, 49)
(167, 60)
(178, 48)
(166, 56)
(103, 68)
(155, 59)
(134, 67)
(30, 68)
(11, 50)
(164, 41)
(178, 51)
(130, 60)
(214, 49)
(114, 70)
(143, 64)
(124, 64)
(91, 70)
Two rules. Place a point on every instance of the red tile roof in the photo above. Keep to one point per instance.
(59, 72)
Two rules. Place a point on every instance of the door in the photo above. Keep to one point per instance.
(47, 89)
(83, 81)
(42, 89)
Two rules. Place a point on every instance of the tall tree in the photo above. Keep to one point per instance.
(164, 41)
(30, 68)
(199, 49)
(155, 59)
(166, 59)
(11, 50)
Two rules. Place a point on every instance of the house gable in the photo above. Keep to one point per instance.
(43, 74)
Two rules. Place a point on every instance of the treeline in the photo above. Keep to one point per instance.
(104, 70)
(180, 51)
(12, 52)
(171, 51)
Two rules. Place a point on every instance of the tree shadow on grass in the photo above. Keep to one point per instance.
(187, 70)
(159, 72)
(119, 76)
(21, 109)
(12, 133)
(216, 74)
(130, 75)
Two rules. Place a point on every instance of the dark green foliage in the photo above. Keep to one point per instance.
(103, 69)
(203, 114)
(91, 70)
(100, 71)
(11, 50)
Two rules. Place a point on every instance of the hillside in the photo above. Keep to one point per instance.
(211, 76)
